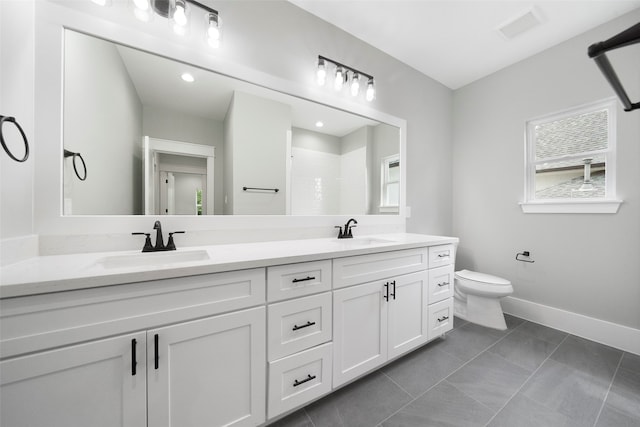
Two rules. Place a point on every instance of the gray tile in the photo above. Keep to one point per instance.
(624, 395)
(457, 322)
(422, 369)
(523, 350)
(443, 405)
(524, 412)
(512, 321)
(489, 379)
(630, 362)
(588, 356)
(365, 403)
(612, 418)
(296, 419)
(469, 340)
(564, 389)
(542, 332)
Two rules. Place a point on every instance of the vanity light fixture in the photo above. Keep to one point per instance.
(344, 74)
(178, 13)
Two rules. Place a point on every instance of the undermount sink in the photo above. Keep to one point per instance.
(153, 259)
(362, 241)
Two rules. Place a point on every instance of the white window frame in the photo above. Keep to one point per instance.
(608, 204)
(384, 183)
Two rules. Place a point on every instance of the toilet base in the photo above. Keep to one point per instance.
(481, 310)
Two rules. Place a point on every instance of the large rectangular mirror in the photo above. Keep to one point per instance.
(154, 142)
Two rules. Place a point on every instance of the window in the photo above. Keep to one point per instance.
(390, 186)
(570, 161)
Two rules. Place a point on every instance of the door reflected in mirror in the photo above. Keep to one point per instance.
(156, 144)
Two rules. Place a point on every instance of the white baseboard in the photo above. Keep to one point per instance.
(16, 249)
(608, 333)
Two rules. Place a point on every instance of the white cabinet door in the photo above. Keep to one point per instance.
(360, 330)
(407, 311)
(90, 384)
(208, 372)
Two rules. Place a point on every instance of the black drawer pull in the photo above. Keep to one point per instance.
(443, 318)
(443, 255)
(393, 282)
(386, 291)
(310, 377)
(303, 280)
(309, 323)
(443, 284)
(156, 357)
(134, 362)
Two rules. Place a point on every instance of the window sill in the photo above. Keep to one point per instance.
(573, 206)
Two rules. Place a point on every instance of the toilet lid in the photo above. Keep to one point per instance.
(481, 277)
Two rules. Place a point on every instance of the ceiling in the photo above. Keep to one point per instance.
(456, 42)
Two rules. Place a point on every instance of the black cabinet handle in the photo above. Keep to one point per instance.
(156, 357)
(443, 255)
(386, 291)
(443, 284)
(443, 318)
(303, 280)
(393, 282)
(134, 362)
(310, 377)
(309, 323)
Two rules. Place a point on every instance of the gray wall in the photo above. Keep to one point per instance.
(111, 147)
(585, 263)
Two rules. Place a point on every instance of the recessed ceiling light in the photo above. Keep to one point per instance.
(319, 124)
(187, 77)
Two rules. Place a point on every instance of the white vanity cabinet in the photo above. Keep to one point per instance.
(207, 371)
(385, 317)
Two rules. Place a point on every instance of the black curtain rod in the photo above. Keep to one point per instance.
(597, 52)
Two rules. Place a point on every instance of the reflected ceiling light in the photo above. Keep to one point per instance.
(343, 74)
(102, 2)
(187, 77)
(319, 124)
(178, 13)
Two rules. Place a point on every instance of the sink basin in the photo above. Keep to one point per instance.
(152, 259)
(358, 242)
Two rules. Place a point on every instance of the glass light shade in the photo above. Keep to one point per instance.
(180, 17)
(213, 29)
(321, 73)
(371, 91)
(355, 84)
(339, 81)
(142, 10)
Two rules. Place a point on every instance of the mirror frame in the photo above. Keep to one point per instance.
(53, 18)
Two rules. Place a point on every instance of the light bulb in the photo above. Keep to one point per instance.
(180, 15)
(321, 73)
(213, 30)
(371, 91)
(339, 81)
(355, 84)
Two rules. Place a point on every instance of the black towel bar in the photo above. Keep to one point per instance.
(24, 138)
(275, 190)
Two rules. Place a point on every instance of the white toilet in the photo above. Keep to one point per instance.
(477, 298)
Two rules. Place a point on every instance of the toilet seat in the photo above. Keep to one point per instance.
(481, 277)
(472, 282)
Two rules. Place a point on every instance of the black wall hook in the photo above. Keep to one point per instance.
(525, 254)
(68, 153)
(24, 139)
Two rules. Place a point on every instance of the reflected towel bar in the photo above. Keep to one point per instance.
(275, 190)
(597, 52)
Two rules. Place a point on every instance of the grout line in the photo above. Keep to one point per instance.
(526, 381)
(398, 385)
(609, 389)
(308, 417)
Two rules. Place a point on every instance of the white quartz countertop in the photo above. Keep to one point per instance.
(58, 273)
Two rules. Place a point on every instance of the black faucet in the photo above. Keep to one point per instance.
(346, 234)
(159, 246)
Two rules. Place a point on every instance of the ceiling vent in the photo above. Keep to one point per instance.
(519, 24)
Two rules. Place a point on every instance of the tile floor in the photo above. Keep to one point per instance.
(528, 375)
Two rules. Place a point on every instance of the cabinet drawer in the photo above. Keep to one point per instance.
(367, 268)
(440, 283)
(440, 318)
(297, 379)
(298, 324)
(441, 255)
(295, 280)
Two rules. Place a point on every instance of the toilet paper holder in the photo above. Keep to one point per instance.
(525, 254)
